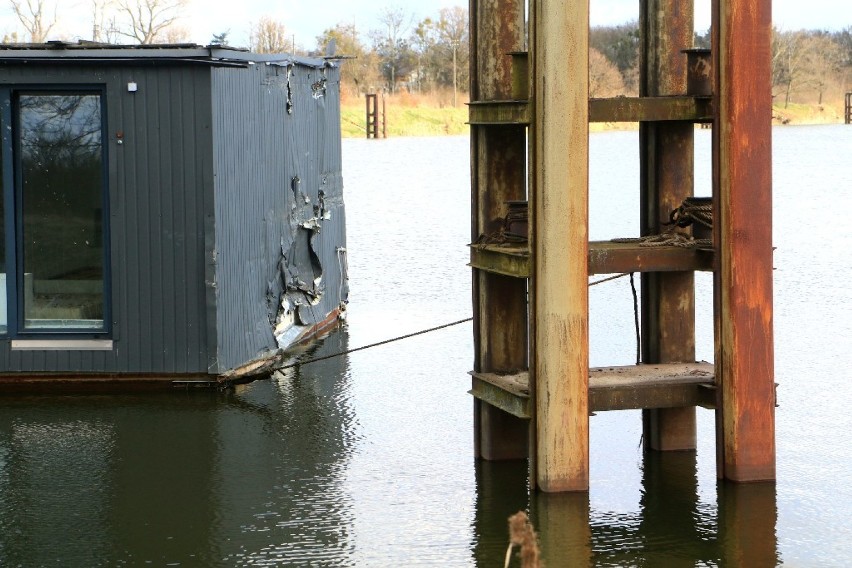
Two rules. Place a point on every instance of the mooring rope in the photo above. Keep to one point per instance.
(385, 342)
(636, 320)
(459, 322)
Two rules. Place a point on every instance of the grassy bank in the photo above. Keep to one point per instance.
(418, 116)
(807, 114)
(408, 115)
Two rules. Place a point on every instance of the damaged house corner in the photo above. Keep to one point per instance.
(217, 251)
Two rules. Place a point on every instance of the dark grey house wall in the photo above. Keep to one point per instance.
(158, 208)
(277, 183)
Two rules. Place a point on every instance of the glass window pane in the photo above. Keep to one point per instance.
(61, 158)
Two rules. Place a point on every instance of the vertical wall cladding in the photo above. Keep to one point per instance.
(156, 180)
(163, 192)
(280, 231)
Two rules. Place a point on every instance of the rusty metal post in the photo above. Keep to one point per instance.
(666, 154)
(742, 144)
(497, 176)
(560, 223)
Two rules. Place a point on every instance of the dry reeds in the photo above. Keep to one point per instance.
(522, 534)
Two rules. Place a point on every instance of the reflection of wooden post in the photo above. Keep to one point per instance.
(501, 491)
(742, 162)
(669, 505)
(497, 176)
(748, 514)
(559, 212)
(562, 522)
(668, 298)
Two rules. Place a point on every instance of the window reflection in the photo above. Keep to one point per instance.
(61, 158)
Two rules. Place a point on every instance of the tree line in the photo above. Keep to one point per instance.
(424, 55)
(432, 54)
(808, 66)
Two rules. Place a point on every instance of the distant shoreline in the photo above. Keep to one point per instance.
(446, 120)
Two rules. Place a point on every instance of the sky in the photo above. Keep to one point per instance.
(306, 19)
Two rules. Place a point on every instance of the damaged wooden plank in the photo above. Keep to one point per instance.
(605, 257)
(669, 385)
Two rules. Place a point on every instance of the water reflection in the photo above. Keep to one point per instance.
(748, 514)
(249, 477)
(671, 525)
(284, 448)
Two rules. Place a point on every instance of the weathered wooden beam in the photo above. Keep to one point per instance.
(666, 165)
(651, 108)
(742, 139)
(604, 257)
(559, 205)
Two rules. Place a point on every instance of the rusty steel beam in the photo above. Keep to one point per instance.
(497, 176)
(605, 257)
(666, 155)
(618, 109)
(648, 109)
(610, 388)
(742, 140)
(616, 258)
(498, 112)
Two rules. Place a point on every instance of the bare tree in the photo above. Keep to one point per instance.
(823, 58)
(604, 78)
(269, 36)
(103, 24)
(37, 16)
(146, 21)
(788, 61)
(394, 51)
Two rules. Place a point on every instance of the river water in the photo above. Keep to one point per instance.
(366, 459)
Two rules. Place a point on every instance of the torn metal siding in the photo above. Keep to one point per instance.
(279, 218)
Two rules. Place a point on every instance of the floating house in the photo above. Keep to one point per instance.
(169, 213)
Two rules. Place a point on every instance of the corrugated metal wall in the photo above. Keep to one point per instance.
(158, 209)
(277, 172)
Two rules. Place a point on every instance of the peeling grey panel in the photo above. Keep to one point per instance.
(280, 231)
